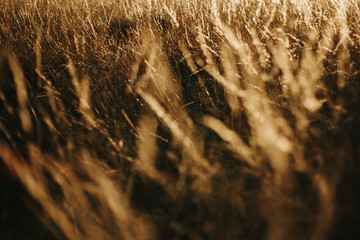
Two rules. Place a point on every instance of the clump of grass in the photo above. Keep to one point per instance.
(181, 119)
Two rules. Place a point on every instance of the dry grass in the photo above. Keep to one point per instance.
(227, 119)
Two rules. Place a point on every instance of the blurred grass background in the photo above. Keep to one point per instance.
(227, 119)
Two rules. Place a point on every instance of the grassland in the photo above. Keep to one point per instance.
(230, 119)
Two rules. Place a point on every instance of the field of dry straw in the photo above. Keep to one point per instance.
(179, 119)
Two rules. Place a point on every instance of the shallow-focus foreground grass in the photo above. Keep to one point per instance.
(230, 119)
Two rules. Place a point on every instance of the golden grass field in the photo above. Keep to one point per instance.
(162, 119)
